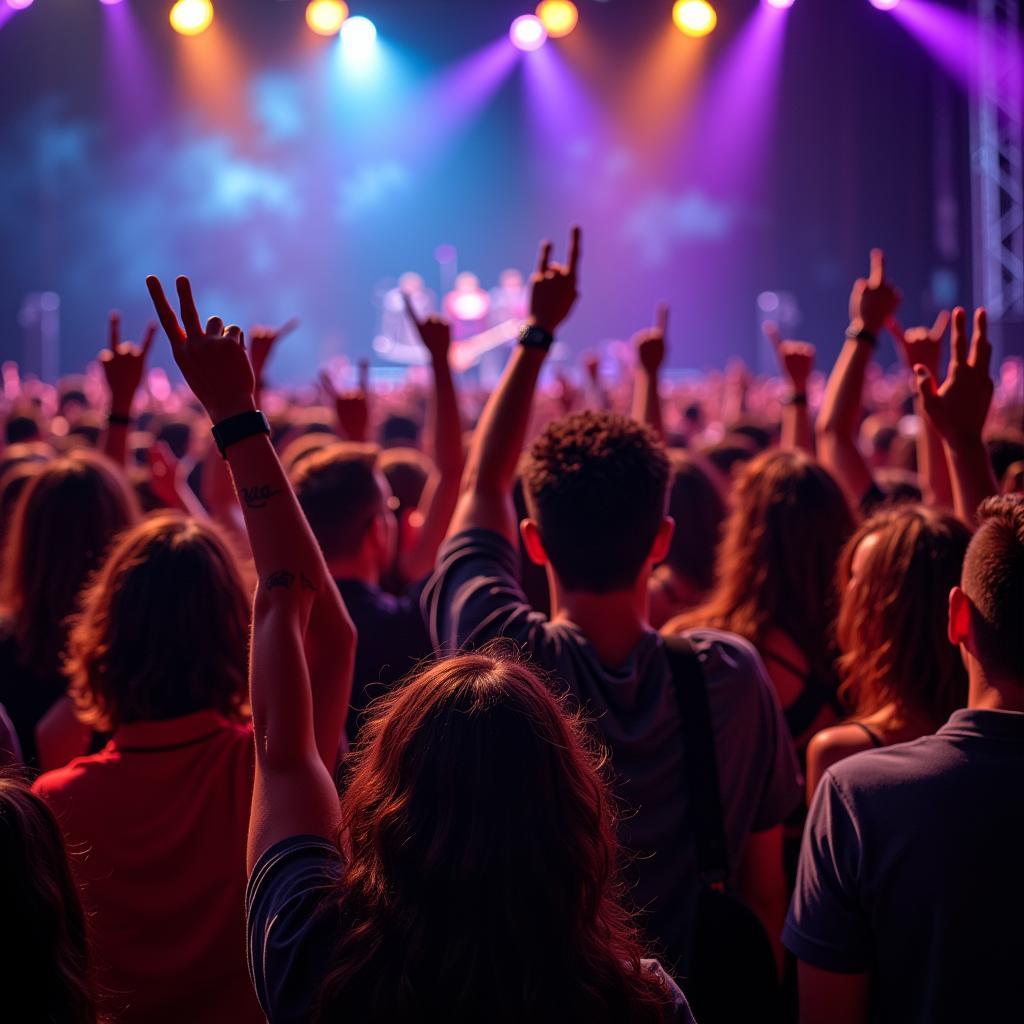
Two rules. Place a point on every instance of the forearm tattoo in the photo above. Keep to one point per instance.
(258, 495)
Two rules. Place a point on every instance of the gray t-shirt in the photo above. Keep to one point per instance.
(474, 598)
(911, 872)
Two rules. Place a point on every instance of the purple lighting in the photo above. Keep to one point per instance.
(780, 4)
(884, 5)
(528, 32)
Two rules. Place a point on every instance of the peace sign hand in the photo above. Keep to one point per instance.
(212, 360)
(124, 364)
(435, 332)
(553, 286)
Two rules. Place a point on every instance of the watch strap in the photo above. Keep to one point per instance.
(535, 336)
(869, 337)
(238, 428)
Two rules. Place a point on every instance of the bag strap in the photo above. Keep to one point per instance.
(699, 759)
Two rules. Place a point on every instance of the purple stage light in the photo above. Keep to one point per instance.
(19, 5)
(528, 32)
(110, 3)
(884, 5)
(780, 4)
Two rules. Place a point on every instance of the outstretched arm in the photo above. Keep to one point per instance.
(442, 489)
(303, 639)
(958, 410)
(796, 360)
(486, 499)
(650, 353)
(872, 302)
(921, 346)
(123, 366)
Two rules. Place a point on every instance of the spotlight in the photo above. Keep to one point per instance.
(358, 35)
(559, 17)
(780, 4)
(694, 17)
(528, 32)
(884, 5)
(19, 5)
(325, 17)
(190, 17)
(110, 3)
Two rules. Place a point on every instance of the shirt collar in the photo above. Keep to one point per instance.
(985, 723)
(172, 732)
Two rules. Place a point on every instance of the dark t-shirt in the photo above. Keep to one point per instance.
(393, 639)
(293, 922)
(911, 871)
(474, 597)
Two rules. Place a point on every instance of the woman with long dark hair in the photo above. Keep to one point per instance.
(45, 975)
(468, 872)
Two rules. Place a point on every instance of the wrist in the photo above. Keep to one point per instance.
(535, 335)
(218, 413)
(861, 332)
(798, 396)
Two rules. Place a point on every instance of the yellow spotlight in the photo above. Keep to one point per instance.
(325, 17)
(190, 17)
(694, 17)
(559, 17)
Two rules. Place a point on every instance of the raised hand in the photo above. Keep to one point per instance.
(213, 360)
(124, 364)
(592, 366)
(435, 332)
(959, 407)
(650, 342)
(553, 286)
(352, 408)
(921, 346)
(874, 299)
(796, 358)
(262, 340)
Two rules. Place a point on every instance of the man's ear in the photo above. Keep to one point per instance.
(530, 533)
(663, 540)
(959, 626)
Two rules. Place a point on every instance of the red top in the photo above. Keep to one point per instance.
(156, 825)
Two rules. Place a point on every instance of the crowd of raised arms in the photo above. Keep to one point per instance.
(599, 700)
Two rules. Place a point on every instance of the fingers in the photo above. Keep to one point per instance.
(661, 318)
(214, 326)
(327, 384)
(959, 337)
(926, 388)
(896, 330)
(364, 376)
(940, 325)
(545, 256)
(164, 312)
(233, 333)
(189, 313)
(877, 275)
(574, 250)
(411, 312)
(115, 330)
(981, 348)
(147, 338)
(772, 333)
(287, 328)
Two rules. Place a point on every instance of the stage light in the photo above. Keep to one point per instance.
(528, 32)
(19, 5)
(325, 17)
(558, 17)
(110, 3)
(190, 17)
(780, 4)
(884, 5)
(694, 18)
(358, 36)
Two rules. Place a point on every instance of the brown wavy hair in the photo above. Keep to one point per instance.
(892, 619)
(163, 628)
(777, 559)
(480, 858)
(43, 947)
(63, 525)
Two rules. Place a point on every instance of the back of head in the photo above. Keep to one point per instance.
(44, 965)
(22, 427)
(697, 506)
(481, 855)
(340, 494)
(62, 526)
(993, 579)
(407, 471)
(777, 560)
(596, 483)
(895, 576)
(163, 628)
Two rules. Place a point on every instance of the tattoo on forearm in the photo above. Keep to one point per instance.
(281, 578)
(258, 496)
(307, 583)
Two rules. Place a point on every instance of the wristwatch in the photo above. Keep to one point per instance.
(238, 428)
(862, 335)
(535, 336)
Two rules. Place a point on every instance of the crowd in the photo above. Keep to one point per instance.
(595, 697)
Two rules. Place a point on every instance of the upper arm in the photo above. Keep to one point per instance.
(829, 747)
(827, 997)
(840, 455)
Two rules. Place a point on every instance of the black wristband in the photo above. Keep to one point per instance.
(119, 419)
(797, 398)
(868, 337)
(535, 336)
(238, 428)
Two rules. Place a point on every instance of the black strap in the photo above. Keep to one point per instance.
(699, 759)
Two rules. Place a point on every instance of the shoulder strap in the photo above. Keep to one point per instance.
(699, 759)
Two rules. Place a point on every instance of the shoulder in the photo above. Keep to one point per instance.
(76, 777)
(730, 663)
(835, 744)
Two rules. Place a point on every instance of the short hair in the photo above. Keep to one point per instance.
(698, 507)
(399, 432)
(22, 427)
(993, 579)
(596, 483)
(339, 492)
(407, 471)
(163, 628)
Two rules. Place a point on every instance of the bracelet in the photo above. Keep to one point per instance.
(869, 337)
(797, 398)
(535, 336)
(119, 419)
(238, 428)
